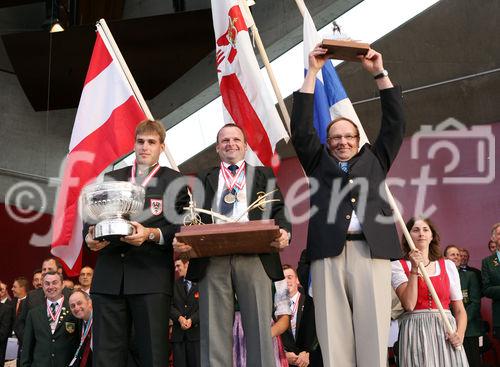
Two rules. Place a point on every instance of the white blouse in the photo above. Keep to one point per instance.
(399, 277)
(281, 299)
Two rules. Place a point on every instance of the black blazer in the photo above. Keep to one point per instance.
(41, 348)
(289, 341)
(186, 305)
(6, 318)
(368, 169)
(147, 268)
(257, 179)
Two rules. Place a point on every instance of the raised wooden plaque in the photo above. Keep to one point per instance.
(253, 237)
(345, 50)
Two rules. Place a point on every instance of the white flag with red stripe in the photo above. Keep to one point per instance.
(247, 101)
(104, 129)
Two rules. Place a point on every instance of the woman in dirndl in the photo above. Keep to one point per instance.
(423, 340)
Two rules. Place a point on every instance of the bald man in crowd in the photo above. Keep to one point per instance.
(85, 278)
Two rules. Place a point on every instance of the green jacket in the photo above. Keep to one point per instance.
(490, 272)
(41, 348)
(471, 292)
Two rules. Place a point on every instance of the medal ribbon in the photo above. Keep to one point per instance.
(52, 316)
(237, 180)
(148, 177)
(85, 332)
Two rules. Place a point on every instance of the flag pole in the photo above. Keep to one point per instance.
(109, 40)
(260, 46)
(399, 218)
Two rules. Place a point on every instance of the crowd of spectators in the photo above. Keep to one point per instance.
(70, 305)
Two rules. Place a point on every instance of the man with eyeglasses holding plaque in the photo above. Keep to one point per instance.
(351, 235)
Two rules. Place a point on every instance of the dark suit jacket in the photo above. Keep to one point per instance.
(490, 271)
(289, 341)
(368, 170)
(41, 348)
(147, 268)
(186, 305)
(257, 179)
(34, 298)
(85, 348)
(471, 291)
(6, 318)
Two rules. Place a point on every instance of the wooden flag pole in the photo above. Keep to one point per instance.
(421, 265)
(399, 218)
(260, 46)
(108, 39)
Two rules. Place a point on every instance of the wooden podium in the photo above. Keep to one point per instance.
(253, 237)
(345, 50)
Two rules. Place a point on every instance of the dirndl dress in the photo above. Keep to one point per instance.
(422, 334)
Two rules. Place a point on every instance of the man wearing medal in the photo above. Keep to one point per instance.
(80, 305)
(51, 333)
(133, 276)
(229, 189)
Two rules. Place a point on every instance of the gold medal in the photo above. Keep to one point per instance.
(240, 196)
(229, 198)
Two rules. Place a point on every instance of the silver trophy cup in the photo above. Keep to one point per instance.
(111, 204)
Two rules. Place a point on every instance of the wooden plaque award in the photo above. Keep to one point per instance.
(253, 237)
(345, 50)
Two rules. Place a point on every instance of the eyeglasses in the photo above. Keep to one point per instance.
(337, 138)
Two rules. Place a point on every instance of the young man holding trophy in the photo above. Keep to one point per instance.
(134, 274)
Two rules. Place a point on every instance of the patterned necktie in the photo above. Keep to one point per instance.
(227, 208)
(344, 166)
(53, 307)
(186, 285)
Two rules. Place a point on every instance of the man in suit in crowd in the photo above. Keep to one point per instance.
(471, 292)
(35, 298)
(464, 263)
(37, 279)
(229, 189)
(4, 294)
(134, 275)
(6, 323)
(352, 234)
(80, 305)
(490, 272)
(51, 334)
(85, 278)
(20, 289)
(185, 317)
(294, 355)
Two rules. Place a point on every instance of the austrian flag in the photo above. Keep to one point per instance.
(104, 128)
(247, 101)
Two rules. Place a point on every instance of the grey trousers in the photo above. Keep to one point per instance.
(352, 303)
(244, 276)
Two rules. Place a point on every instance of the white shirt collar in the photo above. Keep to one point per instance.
(238, 163)
(59, 301)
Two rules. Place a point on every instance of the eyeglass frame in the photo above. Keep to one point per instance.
(338, 138)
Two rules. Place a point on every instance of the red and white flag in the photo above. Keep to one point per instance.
(104, 129)
(247, 101)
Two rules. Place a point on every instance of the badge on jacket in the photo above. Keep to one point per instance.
(156, 206)
(70, 327)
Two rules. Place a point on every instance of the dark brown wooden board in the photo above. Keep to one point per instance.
(345, 50)
(253, 237)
